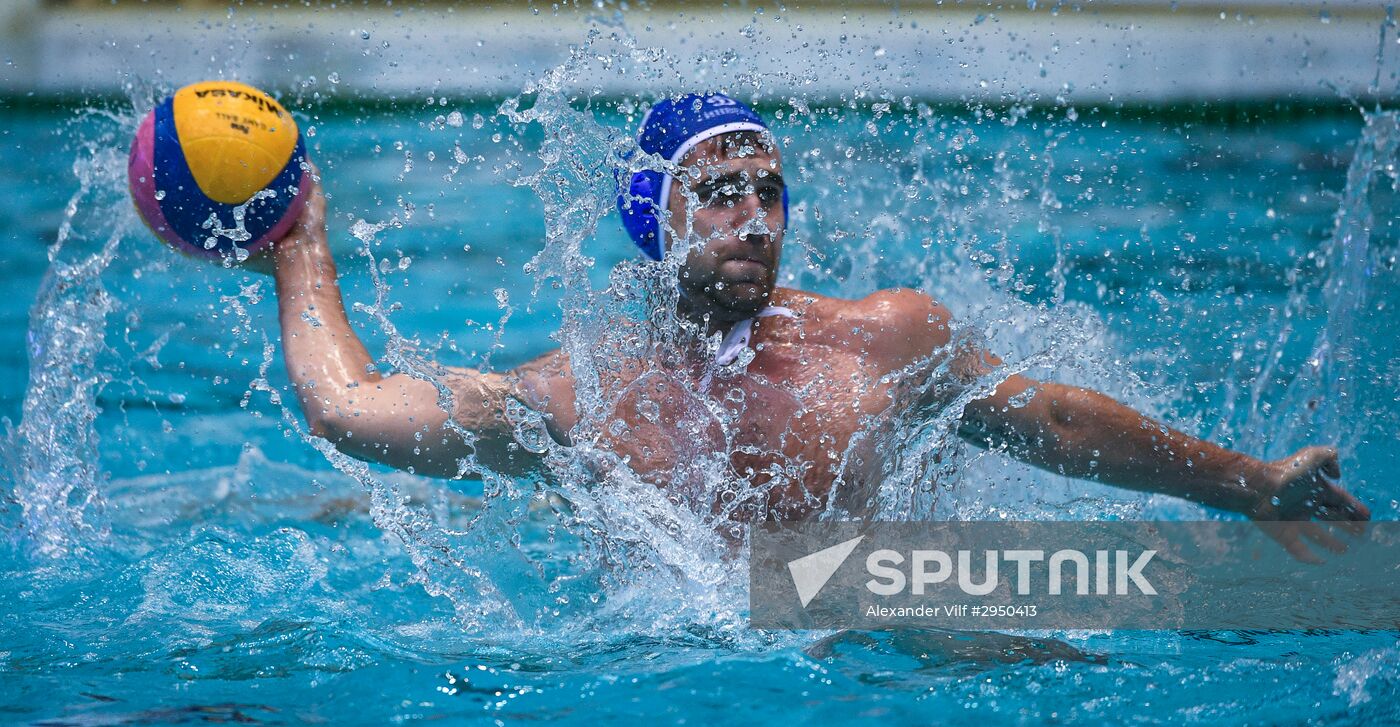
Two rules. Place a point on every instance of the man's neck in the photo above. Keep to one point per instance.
(711, 319)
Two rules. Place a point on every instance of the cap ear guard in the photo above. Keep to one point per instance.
(639, 207)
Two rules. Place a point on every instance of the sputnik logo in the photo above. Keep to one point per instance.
(811, 572)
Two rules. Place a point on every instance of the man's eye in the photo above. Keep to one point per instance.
(726, 194)
(732, 194)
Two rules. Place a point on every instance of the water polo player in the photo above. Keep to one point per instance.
(811, 369)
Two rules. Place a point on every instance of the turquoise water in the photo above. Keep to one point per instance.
(175, 549)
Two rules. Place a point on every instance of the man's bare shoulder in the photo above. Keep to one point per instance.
(896, 324)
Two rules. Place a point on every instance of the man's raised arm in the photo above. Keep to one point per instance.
(396, 420)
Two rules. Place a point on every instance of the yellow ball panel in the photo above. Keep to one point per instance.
(230, 170)
(235, 138)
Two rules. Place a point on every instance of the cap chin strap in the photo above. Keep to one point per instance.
(734, 342)
(694, 141)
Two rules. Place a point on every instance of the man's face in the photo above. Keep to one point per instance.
(736, 224)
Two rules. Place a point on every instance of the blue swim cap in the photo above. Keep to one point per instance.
(670, 130)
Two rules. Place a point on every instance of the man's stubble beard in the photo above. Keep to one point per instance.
(728, 306)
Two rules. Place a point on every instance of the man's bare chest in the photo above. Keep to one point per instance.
(790, 415)
(803, 395)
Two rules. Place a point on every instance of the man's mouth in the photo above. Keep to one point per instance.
(748, 266)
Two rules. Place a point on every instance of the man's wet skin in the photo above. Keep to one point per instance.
(794, 421)
(815, 378)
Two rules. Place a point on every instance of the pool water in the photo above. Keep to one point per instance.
(177, 550)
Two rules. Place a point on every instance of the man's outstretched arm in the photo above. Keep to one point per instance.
(1082, 433)
(397, 420)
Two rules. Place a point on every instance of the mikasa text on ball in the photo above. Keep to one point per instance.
(218, 166)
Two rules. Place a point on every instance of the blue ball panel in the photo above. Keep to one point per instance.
(185, 205)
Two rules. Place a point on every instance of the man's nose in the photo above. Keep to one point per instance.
(749, 208)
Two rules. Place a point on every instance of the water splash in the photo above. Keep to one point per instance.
(652, 553)
(1327, 399)
(55, 461)
(1362, 678)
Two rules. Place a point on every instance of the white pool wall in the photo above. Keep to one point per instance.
(1131, 52)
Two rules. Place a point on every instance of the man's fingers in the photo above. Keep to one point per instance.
(1286, 534)
(1317, 459)
(1319, 534)
(1330, 466)
(1307, 492)
(1295, 547)
(1343, 519)
(1345, 509)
